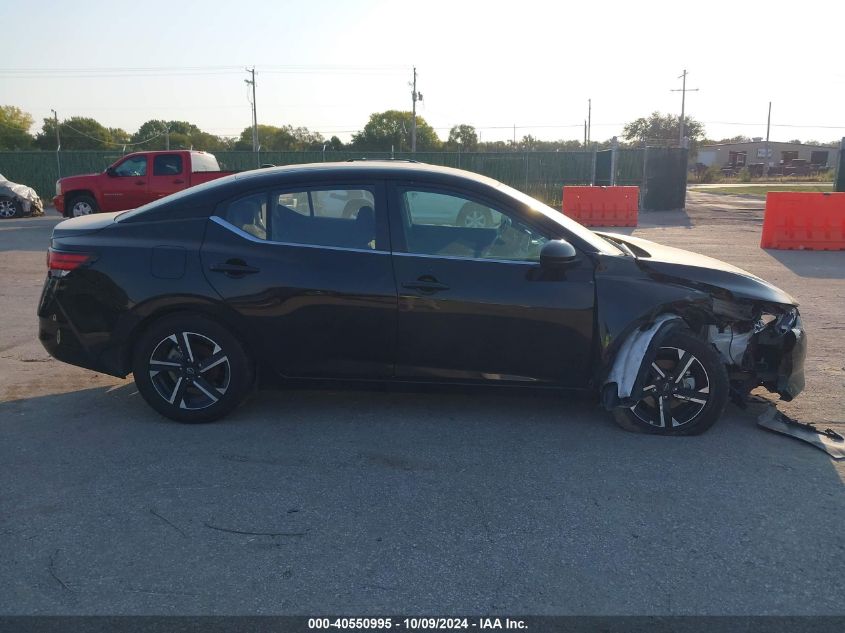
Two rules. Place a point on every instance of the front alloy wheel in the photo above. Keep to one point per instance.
(191, 369)
(676, 392)
(8, 208)
(684, 390)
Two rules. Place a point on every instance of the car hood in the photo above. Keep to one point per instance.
(702, 271)
(69, 181)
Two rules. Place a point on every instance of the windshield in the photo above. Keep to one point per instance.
(596, 241)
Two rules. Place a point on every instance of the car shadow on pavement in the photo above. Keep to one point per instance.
(482, 502)
(807, 263)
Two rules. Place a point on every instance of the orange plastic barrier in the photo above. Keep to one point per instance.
(602, 206)
(811, 221)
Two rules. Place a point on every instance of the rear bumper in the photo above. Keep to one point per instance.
(59, 203)
(65, 342)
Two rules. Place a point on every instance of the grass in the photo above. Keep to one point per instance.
(762, 190)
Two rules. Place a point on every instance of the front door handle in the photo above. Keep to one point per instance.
(426, 283)
(234, 268)
(179, 182)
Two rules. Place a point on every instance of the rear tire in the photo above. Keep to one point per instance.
(191, 369)
(81, 205)
(685, 391)
(9, 208)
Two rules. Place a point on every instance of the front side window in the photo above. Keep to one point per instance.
(450, 225)
(167, 165)
(136, 166)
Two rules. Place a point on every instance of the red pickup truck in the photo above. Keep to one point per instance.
(134, 180)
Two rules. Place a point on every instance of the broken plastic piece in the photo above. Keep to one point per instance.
(629, 359)
(827, 440)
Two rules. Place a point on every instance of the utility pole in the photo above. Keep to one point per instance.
(683, 90)
(166, 135)
(58, 142)
(251, 82)
(415, 96)
(585, 133)
(768, 127)
(589, 120)
(514, 136)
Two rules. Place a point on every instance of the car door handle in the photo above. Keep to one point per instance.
(140, 182)
(425, 285)
(234, 268)
(179, 182)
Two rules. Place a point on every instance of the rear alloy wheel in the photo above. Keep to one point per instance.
(190, 369)
(685, 389)
(9, 208)
(82, 205)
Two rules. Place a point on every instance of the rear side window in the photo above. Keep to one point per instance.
(249, 214)
(167, 165)
(338, 217)
(335, 217)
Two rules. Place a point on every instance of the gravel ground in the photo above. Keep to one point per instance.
(382, 502)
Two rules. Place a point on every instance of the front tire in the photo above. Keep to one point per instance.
(685, 390)
(191, 369)
(81, 205)
(9, 208)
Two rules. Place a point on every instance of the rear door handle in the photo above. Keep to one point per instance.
(179, 182)
(234, 269)
(425, 285)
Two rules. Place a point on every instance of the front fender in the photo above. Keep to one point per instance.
(627, 298)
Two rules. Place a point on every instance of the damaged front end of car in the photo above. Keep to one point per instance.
(755, 327)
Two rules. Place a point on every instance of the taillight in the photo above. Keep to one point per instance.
(67, 260)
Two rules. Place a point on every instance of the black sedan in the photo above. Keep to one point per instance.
(436, 276)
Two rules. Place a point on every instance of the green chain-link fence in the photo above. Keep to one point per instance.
(539, 174)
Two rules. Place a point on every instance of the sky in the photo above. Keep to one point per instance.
(328, 64)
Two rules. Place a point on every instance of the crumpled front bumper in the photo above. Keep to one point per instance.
(782, 349)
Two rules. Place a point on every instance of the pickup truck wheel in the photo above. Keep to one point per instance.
(685, 390)
(81, 205)
(9, 208)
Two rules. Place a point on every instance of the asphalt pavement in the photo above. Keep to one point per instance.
(378, 502)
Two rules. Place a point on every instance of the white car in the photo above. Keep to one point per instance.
(18, 200)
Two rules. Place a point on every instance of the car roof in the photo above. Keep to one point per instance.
(368, 168)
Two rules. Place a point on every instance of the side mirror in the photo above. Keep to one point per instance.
(111, 171)
(557, 254)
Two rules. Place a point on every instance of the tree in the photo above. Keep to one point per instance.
(392, 128)
(281, 139)
(662, 128)
(463, 137)
(77, 133)
(14, 128)
(183, 135)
